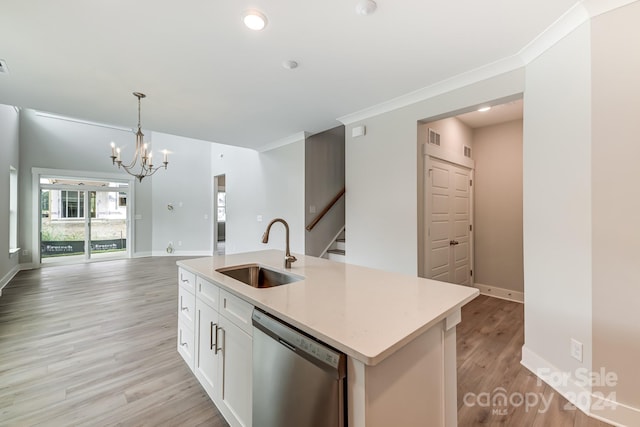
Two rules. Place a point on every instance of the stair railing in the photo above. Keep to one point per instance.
(326, 209)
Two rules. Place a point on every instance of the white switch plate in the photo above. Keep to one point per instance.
(312, 209)
(358, 131)
(259, 218)
(576, 350)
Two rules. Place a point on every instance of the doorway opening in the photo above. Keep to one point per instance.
(488, 147)
(82, 219)
(220, 214)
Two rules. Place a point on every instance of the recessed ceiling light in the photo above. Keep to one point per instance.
(483, 109)
(254, 20)
(366, 7)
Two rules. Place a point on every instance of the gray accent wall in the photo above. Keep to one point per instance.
(324, 178)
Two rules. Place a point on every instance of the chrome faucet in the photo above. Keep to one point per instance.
(288, 258)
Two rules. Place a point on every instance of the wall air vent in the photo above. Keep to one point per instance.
(467, 151)
(3, 67)
(434, 137)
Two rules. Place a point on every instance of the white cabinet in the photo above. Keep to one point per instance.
(222, 358)
(208, 347)
(236, 371)
(186, 316)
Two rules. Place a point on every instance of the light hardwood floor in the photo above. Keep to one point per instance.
(95, 345)
(490, 339)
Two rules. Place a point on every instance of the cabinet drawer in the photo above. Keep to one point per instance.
(186, 346)
(236, 310)
(187, 279)
(208, 293)
(186, 307)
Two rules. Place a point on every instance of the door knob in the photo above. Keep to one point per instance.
(453, 242)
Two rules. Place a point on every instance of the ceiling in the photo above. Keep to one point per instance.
(208, 77)
(497, 114)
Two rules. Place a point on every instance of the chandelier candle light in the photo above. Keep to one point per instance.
(142, 163)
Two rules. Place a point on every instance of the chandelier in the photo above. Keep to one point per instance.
(142, 163)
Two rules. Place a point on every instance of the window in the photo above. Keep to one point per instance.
(222, 202)
(71, 204)
(13, 209)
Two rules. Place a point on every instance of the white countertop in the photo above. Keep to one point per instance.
(366, 313)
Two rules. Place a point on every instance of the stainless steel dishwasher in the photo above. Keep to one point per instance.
(297, 381)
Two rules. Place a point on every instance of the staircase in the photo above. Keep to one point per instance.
(337, 249)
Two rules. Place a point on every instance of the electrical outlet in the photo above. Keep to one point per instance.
(576, 350)
(25, 252)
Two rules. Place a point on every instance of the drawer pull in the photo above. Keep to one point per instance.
(184, 344)
(184, 280)
(184, 308)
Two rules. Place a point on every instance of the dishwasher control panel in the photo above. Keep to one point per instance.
(296, 340)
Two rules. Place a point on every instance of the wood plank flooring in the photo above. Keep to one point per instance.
(95, 345)
(490, 339)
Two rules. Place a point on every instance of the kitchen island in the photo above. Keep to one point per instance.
(398, 331)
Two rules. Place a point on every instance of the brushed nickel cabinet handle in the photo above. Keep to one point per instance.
(211, 335)
(216, 348)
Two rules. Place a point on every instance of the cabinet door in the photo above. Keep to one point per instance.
(207, 358)
(235, 371)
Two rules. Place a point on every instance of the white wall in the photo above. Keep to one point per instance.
(616, 233)
(187, 184)
(53, 143)
(497, 186)
(9, 131)
(381, 174)
(268, 184)
(454, 134)
(557, 204)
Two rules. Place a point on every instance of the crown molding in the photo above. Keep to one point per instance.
(483, 73)
(296, 137)
(580, 13)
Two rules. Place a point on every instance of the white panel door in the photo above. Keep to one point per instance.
(448, 217)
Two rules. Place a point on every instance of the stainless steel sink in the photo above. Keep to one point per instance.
(258, 276)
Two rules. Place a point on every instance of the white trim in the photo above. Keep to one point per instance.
(291, 139)
(145, 254)
(7, 277)
(36, 173)
(549, 373)
(612, 412)
(331, 243)
(433, 152)
(502, 293)
(81, 121)
(456, 82)
(440, 153)
(608, 411)
(177, 252)
(580, 13)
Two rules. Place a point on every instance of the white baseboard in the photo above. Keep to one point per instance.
(7, 277)
(141, 254)
(182, 253)
(592, 404)
(501, 293)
